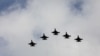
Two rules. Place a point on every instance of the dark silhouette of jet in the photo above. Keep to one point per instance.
(66, 36)
(78, 39)
(55, 32)
(32, 43)
(44, 37)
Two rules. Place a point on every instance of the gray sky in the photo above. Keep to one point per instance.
(27, 20)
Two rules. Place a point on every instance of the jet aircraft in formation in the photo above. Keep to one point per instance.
(44, 37)
(78, 39)
(32, 44)
(67, 35)
(55, 32)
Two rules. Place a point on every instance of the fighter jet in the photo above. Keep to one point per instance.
(78, 39)
(44, 37)
(55, 32)
(66, 36)
(32, 44)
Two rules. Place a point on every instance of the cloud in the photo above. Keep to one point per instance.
(11, 5)
(76, 6)
(21, 26)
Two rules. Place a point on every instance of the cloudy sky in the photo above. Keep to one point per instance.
(24, 20)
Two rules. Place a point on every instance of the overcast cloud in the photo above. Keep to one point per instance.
(78, 17)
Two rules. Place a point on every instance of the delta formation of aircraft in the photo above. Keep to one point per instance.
(55, 32)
